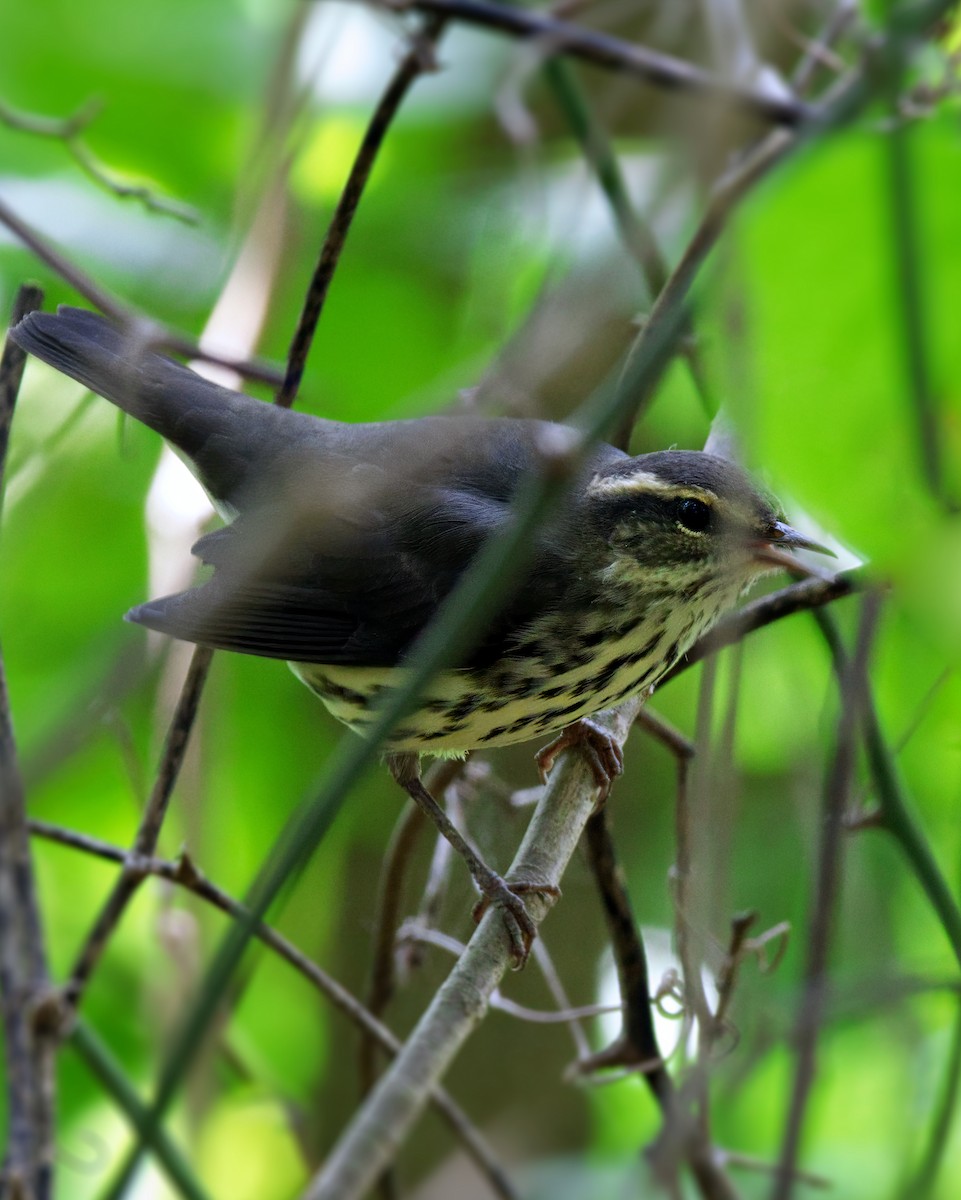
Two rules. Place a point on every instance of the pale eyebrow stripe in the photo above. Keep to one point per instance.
(640, 481)
(644, 481)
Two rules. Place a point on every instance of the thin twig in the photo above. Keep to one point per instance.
(145, 843)
(184, 873)
(853, 696)
(148, 331)
(407, 832)
(806, 596)
(895, 811)
(69, 131)
(605, 50)
(636, 1045)
(565, 1014)
(417, 60)
(29, 1045)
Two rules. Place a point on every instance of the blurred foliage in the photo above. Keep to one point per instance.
(477, 257)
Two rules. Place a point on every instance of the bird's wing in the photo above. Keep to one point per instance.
(350, 582)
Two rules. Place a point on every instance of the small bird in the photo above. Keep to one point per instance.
(343, 540)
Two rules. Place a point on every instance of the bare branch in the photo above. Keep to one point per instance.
(69, 131)
(417, 60)
(604, 50)
(185, 874)
(27, 1172)
(372, 1138)
(145, 843)
(854, 692)
(150, 332)
(806, 596)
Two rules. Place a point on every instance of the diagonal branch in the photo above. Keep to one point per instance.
(379, 1128)
(185, 874)
(417, 60)
(604, 50)
(133, 874)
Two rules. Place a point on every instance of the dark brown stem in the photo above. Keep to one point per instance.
(417, 60)
(29, 1044)
(407, 833)
(854, 696)
(637, 1044)
(145, 843)
(603, 50)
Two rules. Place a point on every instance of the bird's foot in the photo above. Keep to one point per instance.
(601, 750)
(494, 890)
(497, 892)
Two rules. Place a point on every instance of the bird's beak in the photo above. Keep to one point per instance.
(779, 537)
(784, 536)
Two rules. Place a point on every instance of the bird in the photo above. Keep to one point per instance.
(342, 541)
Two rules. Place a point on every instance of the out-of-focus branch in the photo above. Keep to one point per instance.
(29, 1044)
(853, 696)
(70, 131)
(149, 332)
(133, 873)
(604, 50)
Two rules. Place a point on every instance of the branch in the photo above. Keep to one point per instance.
(185, 874)
(805, 596)
(604, 50)
(27, 1172)
(379, 1128)
(148, 331)
(854, 696)
(69, 131)
(417, 60)
(133, 873)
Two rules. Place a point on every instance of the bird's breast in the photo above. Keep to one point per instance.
(560, 667)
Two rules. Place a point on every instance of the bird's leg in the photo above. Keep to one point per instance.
(602, 752)
(405, 768)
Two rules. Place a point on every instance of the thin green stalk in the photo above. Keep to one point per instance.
(895, 810)
(113, 1077)
(899, 820)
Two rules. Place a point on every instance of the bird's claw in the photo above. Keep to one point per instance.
(520, 926)
(600, 749)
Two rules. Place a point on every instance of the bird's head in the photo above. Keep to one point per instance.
(681, 518)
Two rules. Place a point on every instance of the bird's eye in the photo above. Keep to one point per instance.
(694, 515)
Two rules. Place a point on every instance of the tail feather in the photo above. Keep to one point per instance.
(221, 433)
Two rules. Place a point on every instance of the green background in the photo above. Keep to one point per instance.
(461, 235)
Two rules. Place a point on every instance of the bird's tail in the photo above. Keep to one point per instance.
(221, 432)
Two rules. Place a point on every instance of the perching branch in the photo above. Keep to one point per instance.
(379, 1128)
